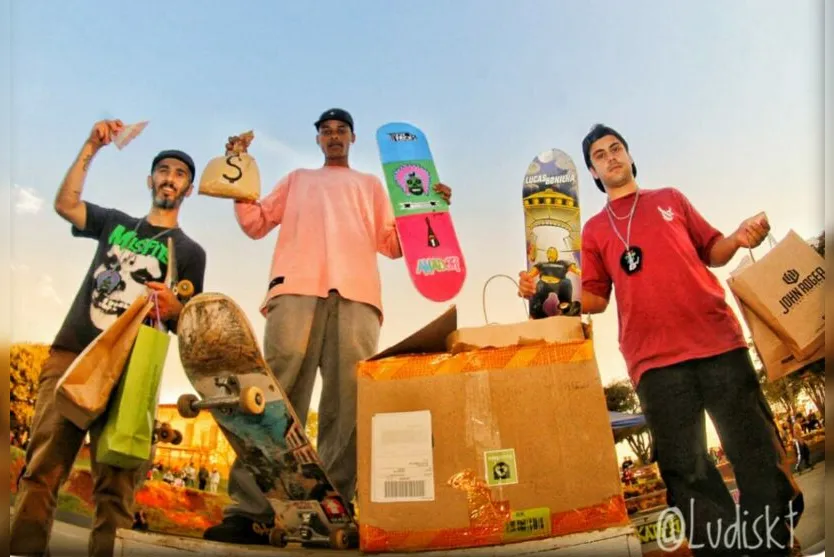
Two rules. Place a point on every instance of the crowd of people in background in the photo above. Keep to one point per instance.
(187, 477)
(793, 431)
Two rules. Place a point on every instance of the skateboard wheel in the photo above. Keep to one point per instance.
(339, 539)
(165, 433)
(185, 406)
(252, 400)
(277, 538)
(184, 289)
(177, 438)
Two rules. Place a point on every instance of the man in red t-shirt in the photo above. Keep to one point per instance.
(683, 346)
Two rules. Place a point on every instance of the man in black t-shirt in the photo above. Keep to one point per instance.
(132, 254)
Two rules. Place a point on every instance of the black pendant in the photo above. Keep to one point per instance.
(632, 260)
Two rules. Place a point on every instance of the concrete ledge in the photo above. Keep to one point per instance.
(621, 541)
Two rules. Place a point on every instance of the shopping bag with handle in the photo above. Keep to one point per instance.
(775, 356)
(126, 437)
(83, 391)
(785, 291)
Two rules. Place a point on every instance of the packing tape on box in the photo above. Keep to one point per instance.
(486, 359)
(482, 432)
(491, 520)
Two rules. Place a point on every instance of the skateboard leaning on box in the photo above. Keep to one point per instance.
(223, 362)
(553, 229)
(429, 242)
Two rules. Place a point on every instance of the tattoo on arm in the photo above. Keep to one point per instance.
(86, 160)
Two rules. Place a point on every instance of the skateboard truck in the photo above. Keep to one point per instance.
(249, 399)
(308, 534)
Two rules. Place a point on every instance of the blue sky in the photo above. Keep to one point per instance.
(723, 100)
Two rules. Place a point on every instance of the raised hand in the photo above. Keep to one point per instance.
(103, 133)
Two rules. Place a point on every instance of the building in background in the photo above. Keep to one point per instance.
(203, 444)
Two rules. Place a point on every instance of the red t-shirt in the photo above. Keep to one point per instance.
(673, 309)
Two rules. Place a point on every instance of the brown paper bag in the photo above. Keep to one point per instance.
(84, 390)
(776, 357)
(234, 175)
(785, 290)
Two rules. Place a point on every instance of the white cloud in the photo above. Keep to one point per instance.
(27, 201)
(20, 267)
(47, 290)
(27, 285)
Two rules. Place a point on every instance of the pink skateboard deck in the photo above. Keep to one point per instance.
(430, 245)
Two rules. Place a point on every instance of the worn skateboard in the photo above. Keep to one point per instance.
(553, 230)
(429, 243)
(223, 362)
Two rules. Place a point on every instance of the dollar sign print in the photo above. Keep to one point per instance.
(236, 167)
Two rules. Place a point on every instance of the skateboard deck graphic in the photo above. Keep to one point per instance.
(224, 364)
(554, 231)
(429, 243)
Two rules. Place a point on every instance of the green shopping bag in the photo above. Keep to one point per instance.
(125, 440)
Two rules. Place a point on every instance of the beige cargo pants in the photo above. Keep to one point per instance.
(303, 334)
(54, 443)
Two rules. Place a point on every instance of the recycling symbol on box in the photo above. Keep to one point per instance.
(501, 471)
(500, 467)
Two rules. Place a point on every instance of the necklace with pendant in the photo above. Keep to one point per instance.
(109, 280)
(632, 258)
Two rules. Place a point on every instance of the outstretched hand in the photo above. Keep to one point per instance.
(167, 304)
(444, 191)
(104, 132)
(526, 285)
(752, 232)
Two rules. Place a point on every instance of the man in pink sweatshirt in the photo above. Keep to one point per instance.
(323, 305)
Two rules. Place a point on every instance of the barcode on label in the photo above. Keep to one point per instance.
(524, 525)
(405, 489)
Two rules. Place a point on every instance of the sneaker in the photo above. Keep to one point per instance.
(239, 530)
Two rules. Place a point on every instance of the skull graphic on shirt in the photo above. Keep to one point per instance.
(134, 270)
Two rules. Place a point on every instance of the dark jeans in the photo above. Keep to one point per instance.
(674, 399)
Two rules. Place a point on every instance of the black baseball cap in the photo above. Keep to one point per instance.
(598, 132)
(335, 114)
(175, 154)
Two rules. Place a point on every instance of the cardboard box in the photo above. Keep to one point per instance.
(485, 446)
(551, 329)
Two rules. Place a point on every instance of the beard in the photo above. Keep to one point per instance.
(163, 202)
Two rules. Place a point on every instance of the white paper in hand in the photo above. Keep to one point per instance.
(128, 134)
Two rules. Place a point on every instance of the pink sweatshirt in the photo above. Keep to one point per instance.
(334, 221)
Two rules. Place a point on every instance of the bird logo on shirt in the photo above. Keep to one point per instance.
(667, 214)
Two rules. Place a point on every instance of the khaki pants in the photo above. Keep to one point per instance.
(303, 334)
(53, 446)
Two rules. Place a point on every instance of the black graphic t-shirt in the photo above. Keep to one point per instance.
(126, 258)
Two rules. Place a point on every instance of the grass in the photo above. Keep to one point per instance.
(68, 502)
(170, 510)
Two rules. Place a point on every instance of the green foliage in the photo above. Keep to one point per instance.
(621, 397)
